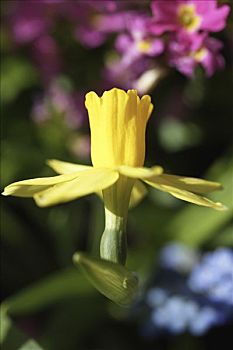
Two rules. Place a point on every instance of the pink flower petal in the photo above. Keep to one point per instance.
(215, 20)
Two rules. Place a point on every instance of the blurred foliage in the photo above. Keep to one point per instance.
(13, 73)
(11, 338)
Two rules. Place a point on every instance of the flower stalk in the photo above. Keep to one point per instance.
(113, 245)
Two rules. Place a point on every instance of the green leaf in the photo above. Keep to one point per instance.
(30, 345)
(195, 225)
(11, 338)
(17, 74)
(175, 135)
(5, 324)
(70, 322)
(64, 284)
(225, 238)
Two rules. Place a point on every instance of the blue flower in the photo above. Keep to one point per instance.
(178, 257)
(213, 276)
(179, 314)
(156, 296)
(204, 320)
(175, 314)
(186, 292)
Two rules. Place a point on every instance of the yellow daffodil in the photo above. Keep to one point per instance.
(118, 122)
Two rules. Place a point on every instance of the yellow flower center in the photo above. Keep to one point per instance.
(118, 123)
(188, 18)
(200, 54)
(144, 46)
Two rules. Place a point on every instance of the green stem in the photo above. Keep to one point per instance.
(113, 245)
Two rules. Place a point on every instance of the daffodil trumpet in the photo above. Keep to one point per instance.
(118, 122)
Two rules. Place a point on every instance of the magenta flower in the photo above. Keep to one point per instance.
(188, 15)
(135, 47)
(116, 72)
(137, 41)
(186, 52)
(139, 36)
(30, 19)
(45, 53)
(31, 23)
(94, 27)
(67, 104)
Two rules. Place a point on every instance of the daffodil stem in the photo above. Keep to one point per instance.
(113, 245)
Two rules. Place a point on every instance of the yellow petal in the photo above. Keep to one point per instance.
(139, 172)
(188, 183)
(118, 122)
(27, 188)
(86, 182)
(65, 167)
(185, 195)
(139, 191)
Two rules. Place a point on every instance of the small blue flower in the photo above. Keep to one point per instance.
(213, 276)
(186, 292)
(175, 314)
(179, 314)
(178, 257)
(156, 296)
(204, 320)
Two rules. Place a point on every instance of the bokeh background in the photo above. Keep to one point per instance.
(53, 52)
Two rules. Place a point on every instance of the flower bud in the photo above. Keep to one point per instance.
(112, 280)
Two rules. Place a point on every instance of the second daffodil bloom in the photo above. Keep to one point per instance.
(118, 122)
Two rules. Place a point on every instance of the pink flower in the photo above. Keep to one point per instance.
(188, 15)
(136, 43)
(212, 60)
(94, 27)
(136, 47)
(65, 103)
(30, 19)
(186, 52)
(46, 54)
